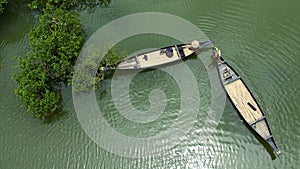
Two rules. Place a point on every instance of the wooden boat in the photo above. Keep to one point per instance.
(162, 56)
(244, 102)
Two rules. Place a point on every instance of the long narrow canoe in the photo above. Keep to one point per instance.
(162, 56)
(245, 103)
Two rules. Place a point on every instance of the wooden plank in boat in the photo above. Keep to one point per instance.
(128, 64)
(262, 129)
(187, 51)
(156, 58)
(240, 96)
(248, 107)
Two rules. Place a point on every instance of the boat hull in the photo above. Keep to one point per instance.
(245, 103)
(160, 56)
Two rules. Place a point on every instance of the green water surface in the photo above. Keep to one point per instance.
(259, 38)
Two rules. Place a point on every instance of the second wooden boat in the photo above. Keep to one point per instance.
(244, 102)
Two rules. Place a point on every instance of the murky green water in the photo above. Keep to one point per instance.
(259, 38)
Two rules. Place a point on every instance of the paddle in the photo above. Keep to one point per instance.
(206, 43)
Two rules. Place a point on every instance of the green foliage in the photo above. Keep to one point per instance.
(2, 2)
(67, 4)
(55, 45)
(38, 96)
(86, 75)
(112, 58)
(41, 4)
(88, 72)
(56, 42)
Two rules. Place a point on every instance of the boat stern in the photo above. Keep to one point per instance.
(276, 150)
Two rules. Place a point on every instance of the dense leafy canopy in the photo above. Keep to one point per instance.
(57, 41)
(39, 97)
(2, 2)
(63, 4)
(55, 44)
(67, 4)
(42, 4)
